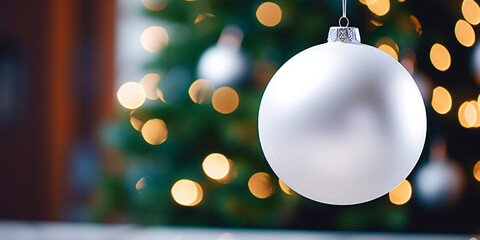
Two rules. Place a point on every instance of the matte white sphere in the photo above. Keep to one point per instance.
(342, 123)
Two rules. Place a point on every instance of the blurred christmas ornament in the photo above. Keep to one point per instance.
(224, 63)
(441, 181)
(476, 63)
(342, 122)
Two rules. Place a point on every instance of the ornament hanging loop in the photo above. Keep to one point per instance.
(344, 14)
(344, 33)
(340, 21)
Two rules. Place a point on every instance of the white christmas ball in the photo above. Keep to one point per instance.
(222, 64)
(439, 183)
(342, 123)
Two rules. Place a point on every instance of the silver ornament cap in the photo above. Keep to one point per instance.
(344, 34)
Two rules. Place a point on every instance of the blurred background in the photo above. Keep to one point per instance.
(145, 111)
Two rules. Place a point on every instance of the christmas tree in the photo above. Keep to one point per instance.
(189, 133)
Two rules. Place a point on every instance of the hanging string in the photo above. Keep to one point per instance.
(344, 14)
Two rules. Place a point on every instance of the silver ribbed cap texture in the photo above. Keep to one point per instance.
(344, 34)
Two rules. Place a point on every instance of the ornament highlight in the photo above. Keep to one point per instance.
(342, 122)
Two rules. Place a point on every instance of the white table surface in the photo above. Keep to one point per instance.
(11, 230)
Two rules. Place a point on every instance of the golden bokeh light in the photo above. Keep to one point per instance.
(136, 123)
(285, 188)
(467, 114)
(201, 91)
(225, 100)
(477, 113)
(464, 33)
(401, 194)
(389, 46)
(160, 95)
(441, 100)
(154, 131)
(131, 95)
(269, 14)
(440, 57)
(376, 23)
(389, 50)
(476, 171)
(155, 5)
(140, 184)
(364, 2)
(202, 16)
(461, 115)
(379, 7)
(154, 39)
(187, 193)
(470, 114)
(478, 99)
(216, 166)
(389, 42)
(416, 24)
(137, 119)
(232, 173)
(260, 185)
(471, 11)
(149, 83)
